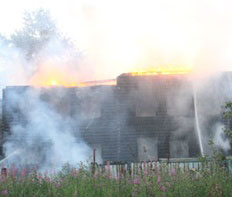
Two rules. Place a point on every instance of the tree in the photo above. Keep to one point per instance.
(40, 40)
(228, 117)
(38, 29)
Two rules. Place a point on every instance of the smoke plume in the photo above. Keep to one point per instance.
(118, 37)
(42, 135)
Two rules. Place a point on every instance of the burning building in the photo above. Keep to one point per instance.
(142, 117)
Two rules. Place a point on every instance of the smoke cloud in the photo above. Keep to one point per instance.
(115, 38)
(41, 134)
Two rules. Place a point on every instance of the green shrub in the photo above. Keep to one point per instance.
(157, 181)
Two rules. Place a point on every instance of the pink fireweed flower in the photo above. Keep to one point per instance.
(5, 192)
(74, 173)
(13, 172)
(39, 176)
(24, 172)
(58, 185)
(158, 179)
(47, 179)
(45, 174)
(136, 181)
(145, 172)
(172, 172)
(163, 188)
(107, 167)
(95, 176)
(167, 183)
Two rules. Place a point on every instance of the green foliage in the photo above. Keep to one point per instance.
(157, 181)
(217, 155)
(228, 110)
(37, 41)
(228, 116)
(38, 28)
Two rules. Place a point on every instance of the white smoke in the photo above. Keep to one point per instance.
(219, 139)
(163, 33)
(43, 136)
(13, 66)
(213, 91)
(40, 133)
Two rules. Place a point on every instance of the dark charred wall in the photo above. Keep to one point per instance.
(141, 118)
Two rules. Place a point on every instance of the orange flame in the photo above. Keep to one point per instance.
(162, 71)
(53, 77)
(53, 81)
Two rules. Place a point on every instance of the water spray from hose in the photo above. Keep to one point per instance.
(197, 122)
(10, 155)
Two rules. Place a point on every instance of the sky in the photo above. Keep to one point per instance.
(125, 35)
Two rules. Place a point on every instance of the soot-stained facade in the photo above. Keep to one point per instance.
(140, 118)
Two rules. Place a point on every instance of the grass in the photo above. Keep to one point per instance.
(157, 181)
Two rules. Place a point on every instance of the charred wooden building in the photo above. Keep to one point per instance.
(140, 118)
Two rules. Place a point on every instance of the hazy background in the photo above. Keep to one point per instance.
(119, 36)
